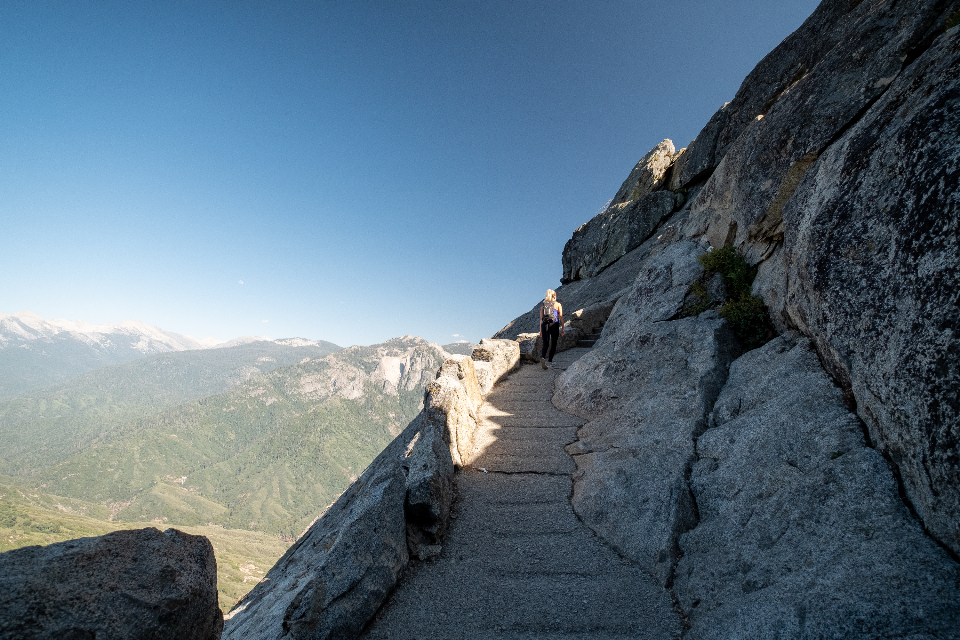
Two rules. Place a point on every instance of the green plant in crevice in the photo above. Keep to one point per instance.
(699, 290)
(746, 313)
(953, 20)
(736, 273)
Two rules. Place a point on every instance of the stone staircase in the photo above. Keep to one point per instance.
(590, 339)
(587, 341)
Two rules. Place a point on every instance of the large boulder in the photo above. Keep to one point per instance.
(810, 98)
(463, 369)
(646, 394)
(126, 584)
(614, 232)
(802, 532)
(870, 269)
(649, 174)
(449, 404)
(591, 319)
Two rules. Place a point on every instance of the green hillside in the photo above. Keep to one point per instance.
(267, 455)
(53, 424)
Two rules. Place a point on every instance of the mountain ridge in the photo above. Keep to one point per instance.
(36, 353)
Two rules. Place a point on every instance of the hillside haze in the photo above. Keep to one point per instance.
(54, 423)
(36, 352)
(266, 455)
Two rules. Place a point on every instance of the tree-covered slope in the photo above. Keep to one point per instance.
(50, 425)
(266, 455)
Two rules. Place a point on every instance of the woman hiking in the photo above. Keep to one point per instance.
(551, 326)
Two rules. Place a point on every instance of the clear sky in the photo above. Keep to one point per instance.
(347, 171)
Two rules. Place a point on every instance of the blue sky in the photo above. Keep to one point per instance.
(347, 171)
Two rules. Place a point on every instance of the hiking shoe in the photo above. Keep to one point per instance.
(543, 363)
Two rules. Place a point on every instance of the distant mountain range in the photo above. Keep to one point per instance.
(36, 353)
(107, 426)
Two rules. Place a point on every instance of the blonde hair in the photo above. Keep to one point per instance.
(551, 296)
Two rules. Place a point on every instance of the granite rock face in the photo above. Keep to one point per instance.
(810, 100)
(646, 393)
(802, 532)
(659, 290)
(870, 269)
(613, 233)
(126, 584)
(648, 176)
(837, 28)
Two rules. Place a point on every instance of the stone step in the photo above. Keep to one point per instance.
(544, 411)
(525, 450)
(566, 420)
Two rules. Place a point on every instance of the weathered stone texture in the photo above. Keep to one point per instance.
(828, 33)
(126, 584)
(613, 233)
(802, 532)
(448, 404)
(648, 175)
(870, 269)
(856, 56)
(463, 369)
(647, 394)
(493, 359)
(659, 289)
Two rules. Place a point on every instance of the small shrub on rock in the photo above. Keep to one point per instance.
(746, 313)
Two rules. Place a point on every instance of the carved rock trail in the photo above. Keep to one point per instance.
(517, 563)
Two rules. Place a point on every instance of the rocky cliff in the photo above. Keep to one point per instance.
(771, 409)
(834, 173)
